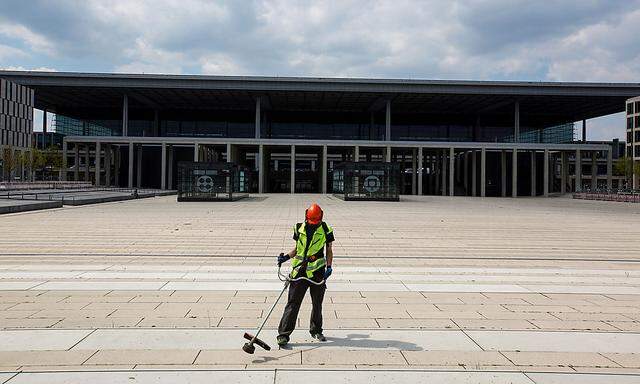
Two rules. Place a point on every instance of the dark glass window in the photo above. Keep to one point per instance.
(637, 137)
(637, 106)
(630, 123)
(630, 109)
(637, 150)
(629, 136)
(638, 121)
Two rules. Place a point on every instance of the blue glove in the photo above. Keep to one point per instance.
(282, 258)
(327, 272)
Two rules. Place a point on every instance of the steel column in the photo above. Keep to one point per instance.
(387, 134)
(578, 172)
(516, 131)
(258, 118)
(324, 169)
(97, 174)
(474, 177)
(545, 180)
(514, 174)
(107, 165)
(163, 167)
(564, 172)
(452, 159)
(293, 169)
(130, 175)
(139, 175)
(76, 162)
(261, 169)
(610, 168)
(534, 176)
(503, 173)
(125, 115)
(420, 168)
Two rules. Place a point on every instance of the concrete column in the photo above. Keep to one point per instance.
(130, 175)
(594, 170)
(262, 169)
(474, 170)
(107, 165)
(503, 173)
(76, 162)
(444, 172)
(293, 169)
(139, 176)
(356, 154)
(324, 169)
(86, 162)
(125, 116)
(163, 167)
(196, 152)
(414, 175)
(564, 172)
(388, 155)
(257, 126)
(420, 170)
(435, 160)
(578, 172)
(514, 174)
(452, 159)
(483, 172)
(387, 134)
(545, 181)
(98, 150)
(64, 160)
(466, 172)
(534, 175)
(516, 123)
(610, 168)
(170, 168)
(116, 166)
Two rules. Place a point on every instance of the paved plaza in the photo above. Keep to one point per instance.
(431, 289)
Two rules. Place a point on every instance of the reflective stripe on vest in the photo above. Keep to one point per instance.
(311, 253)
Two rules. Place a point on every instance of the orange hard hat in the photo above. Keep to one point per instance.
(313, 214)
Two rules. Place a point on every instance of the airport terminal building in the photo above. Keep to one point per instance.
(468, 138)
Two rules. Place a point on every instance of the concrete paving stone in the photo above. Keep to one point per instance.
(581, 316)
(147, 313)
(72, 368)
(626, 325)
(13, 285)
(221, 286)
(100, 285)
(416, 323)
(4, 376)
(455, 358)
(444, 315)
(352, 357)
(180, 322)
(627, 360)
(92, 323)
(595, 289)
(523, 369)
(539, 308)
(27, 358)
(600, 370)
(396, 377)
(517, 315)
(386, 314)
(137, 356)
(568, 325)
(123, 306)
(70, 313)
(330, 323)
(27, 323)
(465, 288)
(167, 339)
(145, 377)
(607, 309)
(528, 341)
(248, 323)
(561, 378)
(246, 313)
(40, 340)
(635, 317)
(139, 293)
(494, 324)
(23, 314)
(193, 367)
(566, 359)
(470, 307)
(364, 300)
(237, 356)
(48, 305)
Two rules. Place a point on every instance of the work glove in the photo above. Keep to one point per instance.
(282, 258)
(327, 272)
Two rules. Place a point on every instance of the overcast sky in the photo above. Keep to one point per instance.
(577, 40)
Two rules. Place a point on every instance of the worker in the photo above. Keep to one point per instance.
(309, 260)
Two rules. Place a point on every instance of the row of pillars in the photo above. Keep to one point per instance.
(447, 167)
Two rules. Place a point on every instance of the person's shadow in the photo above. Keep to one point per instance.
(356, 340)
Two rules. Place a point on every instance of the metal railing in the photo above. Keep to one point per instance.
(60, 194)
(604, 194)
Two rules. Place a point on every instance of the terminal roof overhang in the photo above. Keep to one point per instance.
(544, 102)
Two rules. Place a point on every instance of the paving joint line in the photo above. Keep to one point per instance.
(82, 339)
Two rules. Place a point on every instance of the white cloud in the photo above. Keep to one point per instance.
(35, 41)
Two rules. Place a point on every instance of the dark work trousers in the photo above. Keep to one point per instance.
(297, 290)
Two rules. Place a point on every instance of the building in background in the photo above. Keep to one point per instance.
(467, 138)
(16, 127)
(633, 138)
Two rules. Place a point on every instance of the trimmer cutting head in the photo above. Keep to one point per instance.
(249, 348)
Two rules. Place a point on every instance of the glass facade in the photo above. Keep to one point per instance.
(73, 127)
(207, 181)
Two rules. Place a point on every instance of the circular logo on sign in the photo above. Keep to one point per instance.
(372, 184)
(204, 183)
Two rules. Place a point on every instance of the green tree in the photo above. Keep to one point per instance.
(10, 161)
(625, 166)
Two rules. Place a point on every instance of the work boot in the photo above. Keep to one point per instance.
(319, 337)
(282, 340)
